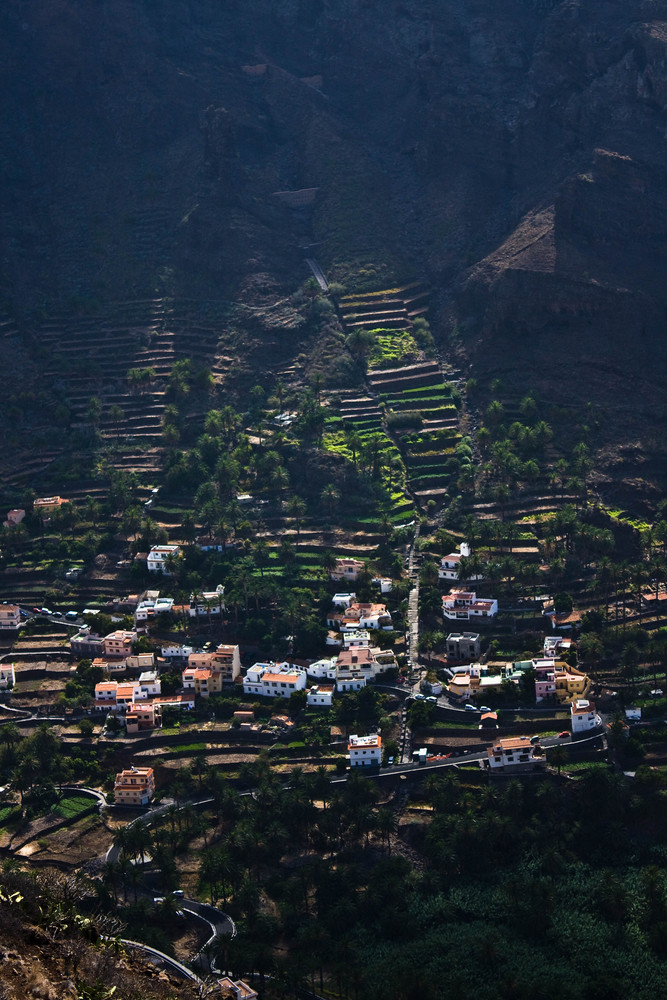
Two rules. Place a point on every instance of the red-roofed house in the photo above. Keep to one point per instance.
(464, 605)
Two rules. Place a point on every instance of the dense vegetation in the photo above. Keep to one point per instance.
(512, 891)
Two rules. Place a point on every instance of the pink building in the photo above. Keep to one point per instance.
(14, 518)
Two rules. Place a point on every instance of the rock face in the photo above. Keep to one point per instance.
(513, 152)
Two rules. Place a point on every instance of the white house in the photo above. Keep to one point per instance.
(207, 603)
(515, 752)
(159, 557)
(343, 600)
(7, 676)
(464, 605)
(175, 652)
(365, 751)
(450, 565)
(555, 645)
(105, 694)
(273, 680)
(350, 680)
(357, 637)
(10, 616)
(385, 583)
(150, 684)
(152, 605)
(320, 695)
(323, 669)
(584, 717)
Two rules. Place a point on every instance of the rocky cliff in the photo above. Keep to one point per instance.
(511, 152)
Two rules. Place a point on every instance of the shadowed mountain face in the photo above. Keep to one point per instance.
(511, 152)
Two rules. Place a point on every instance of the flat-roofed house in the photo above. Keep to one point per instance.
(135, 786)
(119, 644)
(320, 695)
(142, 718)
(365, 751)
(227, 662)
(274, 680)
(160, 556)
(516, 752)
(462, 646)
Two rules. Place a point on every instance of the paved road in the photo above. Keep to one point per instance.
(158, 956)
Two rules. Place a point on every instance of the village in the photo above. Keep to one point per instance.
(127, 667)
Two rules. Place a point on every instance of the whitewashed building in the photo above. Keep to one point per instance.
(584, 716)
(516, 753)
(365, 751)
(159, 557)
(463, 605)
(7, 676)
(274, 680)
(320, 695)
(324, 669)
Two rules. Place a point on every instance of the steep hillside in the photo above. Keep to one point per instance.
(187, 149)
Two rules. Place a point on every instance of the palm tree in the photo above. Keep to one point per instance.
(330, 498)
(297, 508)
(386, 825)
(558, 756)
(10, 734)
(117, 416)
(354, 443)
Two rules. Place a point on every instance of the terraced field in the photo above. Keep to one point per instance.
(423, 418)
(360, 430)
(90, 356)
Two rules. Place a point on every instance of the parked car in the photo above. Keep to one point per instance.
(564, 735)
(419, 697)
(432, 698)
(390, 761)
(485, 708)
(535, 739)
(470, 708)
(46, 611)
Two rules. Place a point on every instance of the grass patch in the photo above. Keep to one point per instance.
(584, 765)
(72, 805)
(188, 748)
(8, 816)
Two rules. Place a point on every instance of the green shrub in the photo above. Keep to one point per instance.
(405, 418)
